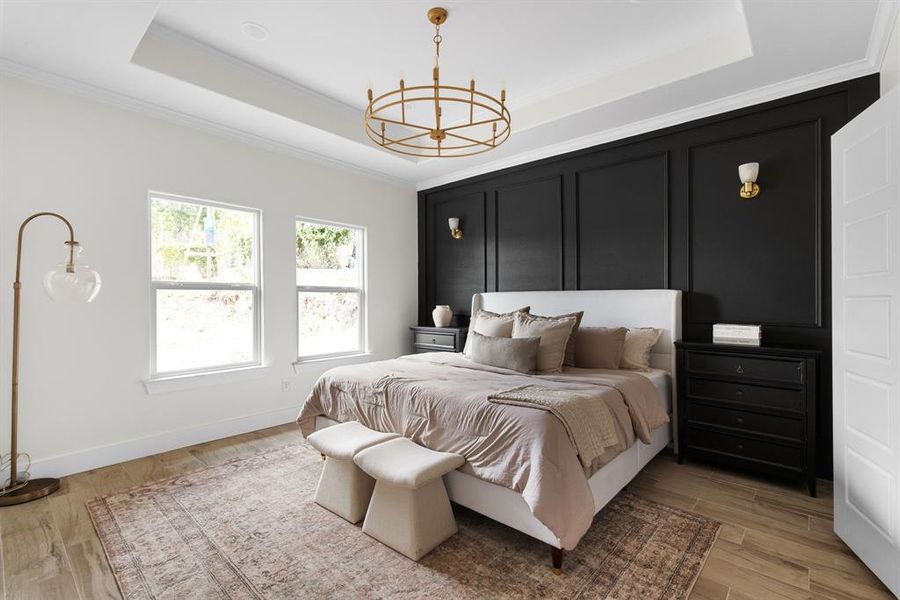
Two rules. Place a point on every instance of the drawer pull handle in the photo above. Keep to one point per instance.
(740, 419)
(740, 446)
(433, 340)
(740, 392)
(740, 370)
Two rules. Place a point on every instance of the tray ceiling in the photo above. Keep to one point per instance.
(577, 73)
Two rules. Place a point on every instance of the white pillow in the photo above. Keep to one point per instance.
(554, 334)
(638, 343)
(491, 324)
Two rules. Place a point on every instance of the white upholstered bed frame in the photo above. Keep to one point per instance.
(602, 308)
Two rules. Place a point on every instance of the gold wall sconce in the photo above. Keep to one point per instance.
(455, 232)
(748, 173)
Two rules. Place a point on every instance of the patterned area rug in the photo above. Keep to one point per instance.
(249, 529)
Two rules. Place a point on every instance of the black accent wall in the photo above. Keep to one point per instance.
(661, 210)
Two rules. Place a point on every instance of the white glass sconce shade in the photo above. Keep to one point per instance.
(749, 172)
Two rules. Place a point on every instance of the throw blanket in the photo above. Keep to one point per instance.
(440, 401)
(585, 416)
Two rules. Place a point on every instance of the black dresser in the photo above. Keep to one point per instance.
(749, 407)
(439, 339)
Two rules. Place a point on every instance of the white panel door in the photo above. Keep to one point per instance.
(865, 268)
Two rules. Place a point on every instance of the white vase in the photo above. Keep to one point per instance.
(442, 315)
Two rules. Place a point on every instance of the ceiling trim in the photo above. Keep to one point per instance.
(86, 90)
(886, 14)
(164, 32)
(885, 20)
(760, 95)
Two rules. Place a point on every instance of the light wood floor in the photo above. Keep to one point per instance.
(775, 542)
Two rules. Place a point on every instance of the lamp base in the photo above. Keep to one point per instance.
(34, 489)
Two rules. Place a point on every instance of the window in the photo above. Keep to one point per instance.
(204, 296)
(330, 289)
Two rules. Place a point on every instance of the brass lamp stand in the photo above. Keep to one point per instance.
(69, 283)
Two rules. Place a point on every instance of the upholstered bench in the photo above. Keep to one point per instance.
(343, 488)
(410, 510)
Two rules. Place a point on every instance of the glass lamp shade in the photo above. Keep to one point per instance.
(748, 172)
(72, 283)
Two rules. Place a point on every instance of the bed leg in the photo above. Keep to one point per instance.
(556, 555)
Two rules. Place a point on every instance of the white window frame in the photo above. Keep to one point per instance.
(360, 290)
(256, 287)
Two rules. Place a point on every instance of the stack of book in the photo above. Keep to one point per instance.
(746, 335)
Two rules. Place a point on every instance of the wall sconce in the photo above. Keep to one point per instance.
(748, 173)
(455, 232)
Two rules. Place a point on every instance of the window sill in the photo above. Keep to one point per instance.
(163, 385)
(315, 360)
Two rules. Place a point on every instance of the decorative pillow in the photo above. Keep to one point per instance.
(570, 345)
(492, 324)
(600, 347)
(518, 354)
(554, 334)
(638, 343)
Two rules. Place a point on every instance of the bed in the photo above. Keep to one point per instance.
(558, 508)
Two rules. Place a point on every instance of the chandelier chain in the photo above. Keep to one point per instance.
(437, 44)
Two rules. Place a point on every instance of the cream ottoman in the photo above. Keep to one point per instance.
(410, 510)
(343, 488)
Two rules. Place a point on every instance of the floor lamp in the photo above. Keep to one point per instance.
(69, 282)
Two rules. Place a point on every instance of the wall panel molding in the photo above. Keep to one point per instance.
(661, 209)
(633, 197)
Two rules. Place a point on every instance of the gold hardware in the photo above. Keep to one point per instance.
(432, 140)
(456, 234)
(437, 16)
(749, 190)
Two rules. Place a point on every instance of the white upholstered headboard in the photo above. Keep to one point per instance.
(603, 308)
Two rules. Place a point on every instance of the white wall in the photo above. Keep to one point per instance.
(82, 398)
(890, 68)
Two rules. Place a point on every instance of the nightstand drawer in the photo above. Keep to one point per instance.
(446, 340)
(741, 447)
(742, 393)
(746, 421)
(782, 370)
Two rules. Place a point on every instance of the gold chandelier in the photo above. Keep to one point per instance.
(402, 120)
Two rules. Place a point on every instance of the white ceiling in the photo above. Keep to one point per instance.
(576, 73)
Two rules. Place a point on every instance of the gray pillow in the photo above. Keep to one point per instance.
(491, 324)
(518, 354)
(600, 347)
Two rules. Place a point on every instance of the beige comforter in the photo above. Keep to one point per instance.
(441, 401)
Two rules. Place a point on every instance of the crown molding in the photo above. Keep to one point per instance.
(105, 96)
(782, 89)
(885, 19)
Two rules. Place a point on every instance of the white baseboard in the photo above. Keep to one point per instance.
(101, 456)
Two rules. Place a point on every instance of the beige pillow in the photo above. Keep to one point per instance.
(518, 354)
(600, 347)
(554, 334)
(492, 324)
(638, 343)
(570, 345)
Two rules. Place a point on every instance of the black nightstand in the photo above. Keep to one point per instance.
(750, 407)
(439, 339)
